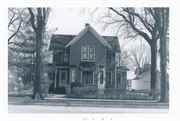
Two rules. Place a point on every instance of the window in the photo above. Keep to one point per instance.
(85, 52)
(73, 76)
(118, 78)
(88, 53)
(65, 59)
(108, 58)
(108, 77)
(87, 76)
(91, 53)
(101, 77)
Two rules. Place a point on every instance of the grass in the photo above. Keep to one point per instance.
(87, 103)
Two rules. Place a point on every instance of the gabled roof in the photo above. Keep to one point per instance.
(144, 73)
(60, 41)
(88, 27)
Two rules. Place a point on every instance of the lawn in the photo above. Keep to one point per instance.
(88, 103)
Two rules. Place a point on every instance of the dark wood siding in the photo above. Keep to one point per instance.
(88, 39)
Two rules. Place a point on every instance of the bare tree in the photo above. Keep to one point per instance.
(16, 19)
(39, 28)
(140, 56)
(123, 58)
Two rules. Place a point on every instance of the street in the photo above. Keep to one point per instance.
(70, 109)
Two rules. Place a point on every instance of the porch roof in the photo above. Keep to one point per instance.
(122, 68)
(58, 64)
(87, 64)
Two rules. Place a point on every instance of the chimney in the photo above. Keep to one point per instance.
(86, 24)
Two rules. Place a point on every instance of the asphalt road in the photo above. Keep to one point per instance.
(70, 109)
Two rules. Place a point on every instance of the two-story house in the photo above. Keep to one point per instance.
(87, 58)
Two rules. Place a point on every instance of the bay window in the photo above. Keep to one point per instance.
(87, 76)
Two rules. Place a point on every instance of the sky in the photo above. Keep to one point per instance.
(70, 21)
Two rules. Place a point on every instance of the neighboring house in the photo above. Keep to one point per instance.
(143, 80)
(87, 58)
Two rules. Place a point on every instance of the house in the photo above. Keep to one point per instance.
(87, 58)
(142, 81)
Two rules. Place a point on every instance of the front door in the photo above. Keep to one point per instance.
(63, 78)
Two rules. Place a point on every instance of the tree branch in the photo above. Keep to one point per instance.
(11, 20)
(140, 18)
(32, 19)
(15, 32)
(144, 35)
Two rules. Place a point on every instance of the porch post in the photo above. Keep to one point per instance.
(55, 78)
(104, 76)
(115, 77)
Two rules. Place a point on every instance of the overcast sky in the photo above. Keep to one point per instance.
(70, 21)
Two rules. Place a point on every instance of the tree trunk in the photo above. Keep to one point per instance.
(153, 66)
(163, 62)
(37, 94)
(153, 70)
(42, 16)
(39, 36)
(163, 70)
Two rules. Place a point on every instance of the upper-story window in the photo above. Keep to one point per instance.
(88, 53)
(65, 58)
(108, 58)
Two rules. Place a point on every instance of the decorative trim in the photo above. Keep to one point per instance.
(94, 33)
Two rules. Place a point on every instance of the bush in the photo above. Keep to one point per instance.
(75, 84)
(81, 92)
(92, 92)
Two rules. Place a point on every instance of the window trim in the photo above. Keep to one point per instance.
(87, 53)
(82, 75)
(111, 77)
(121, 77)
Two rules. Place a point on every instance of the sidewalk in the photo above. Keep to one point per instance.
(61, 100)
(63, 97)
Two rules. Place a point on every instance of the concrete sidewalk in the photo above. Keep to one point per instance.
(63, 97)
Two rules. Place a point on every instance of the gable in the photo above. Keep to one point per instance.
(59, 42)
(93, 32)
